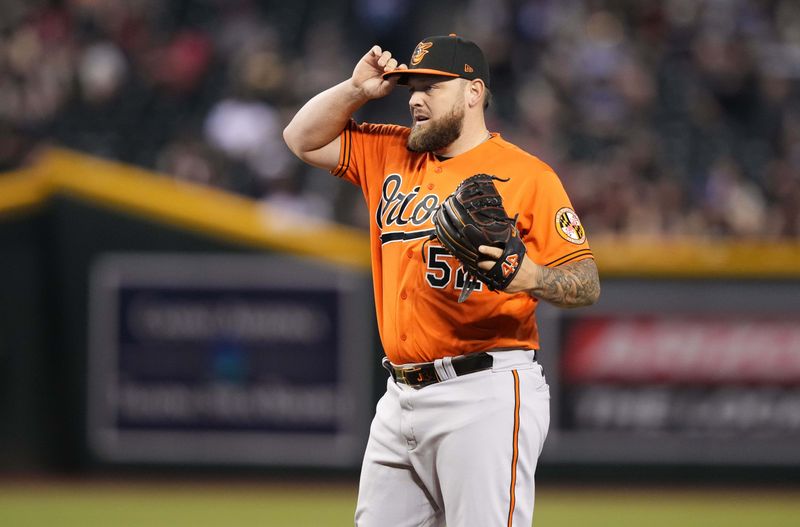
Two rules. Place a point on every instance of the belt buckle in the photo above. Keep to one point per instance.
(416, 376)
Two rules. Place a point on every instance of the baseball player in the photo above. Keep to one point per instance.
(456, 437)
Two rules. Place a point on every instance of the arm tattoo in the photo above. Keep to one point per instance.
(570, 285)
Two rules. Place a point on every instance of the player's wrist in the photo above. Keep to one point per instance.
(534, 276)
(355, 93)
(361, 91)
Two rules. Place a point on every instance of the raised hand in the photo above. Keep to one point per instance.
(367, 75)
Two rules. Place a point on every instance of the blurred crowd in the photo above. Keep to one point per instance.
(663, 118)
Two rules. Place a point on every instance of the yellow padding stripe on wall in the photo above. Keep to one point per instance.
(241, 220)
(199, 208)
(21, 190)
(695, 258)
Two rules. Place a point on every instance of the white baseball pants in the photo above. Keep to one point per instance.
(460, 453)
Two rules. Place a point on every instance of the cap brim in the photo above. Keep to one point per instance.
(404, 73)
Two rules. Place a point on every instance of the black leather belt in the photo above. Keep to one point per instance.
(424, 373)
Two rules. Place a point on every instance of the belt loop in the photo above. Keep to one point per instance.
(447, 363)
(441, 373)
(388, 367)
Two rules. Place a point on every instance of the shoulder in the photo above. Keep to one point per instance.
(379, 130)
(522, 163)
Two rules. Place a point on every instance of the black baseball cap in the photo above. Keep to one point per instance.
(449, 56)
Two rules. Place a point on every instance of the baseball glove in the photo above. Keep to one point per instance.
(472, 216)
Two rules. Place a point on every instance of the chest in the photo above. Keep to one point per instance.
(408, 195)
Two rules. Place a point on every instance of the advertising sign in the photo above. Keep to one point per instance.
(710, 375)
(676, 372)
(228, 359)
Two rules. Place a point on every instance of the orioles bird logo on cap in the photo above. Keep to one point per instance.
(420, 52)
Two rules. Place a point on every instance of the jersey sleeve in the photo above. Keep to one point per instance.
(364, 149)
(556, 235)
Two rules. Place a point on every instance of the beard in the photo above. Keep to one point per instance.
(438, 133)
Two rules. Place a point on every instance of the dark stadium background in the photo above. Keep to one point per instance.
(147, 134)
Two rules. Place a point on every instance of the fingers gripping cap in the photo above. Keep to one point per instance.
(450, 56)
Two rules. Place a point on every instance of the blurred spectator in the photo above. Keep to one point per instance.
(190, 159)
(784, 192)
(734, 205)
(670, 118)
(289, 199)
(248, 131)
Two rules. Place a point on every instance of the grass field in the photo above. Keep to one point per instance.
(128, 504)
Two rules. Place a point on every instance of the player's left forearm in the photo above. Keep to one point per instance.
(569, 285)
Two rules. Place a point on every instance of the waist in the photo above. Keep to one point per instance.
(421, 374)
(432, 347)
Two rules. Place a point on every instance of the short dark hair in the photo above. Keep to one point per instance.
(487, 96)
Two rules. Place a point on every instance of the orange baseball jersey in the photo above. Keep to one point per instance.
(417, 283)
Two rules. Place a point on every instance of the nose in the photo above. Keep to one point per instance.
(415, 101)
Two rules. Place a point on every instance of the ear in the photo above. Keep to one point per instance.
(474, 93)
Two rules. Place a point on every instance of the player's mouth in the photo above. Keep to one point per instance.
(420, 119)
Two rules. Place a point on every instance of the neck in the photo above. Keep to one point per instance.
(473, 134)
